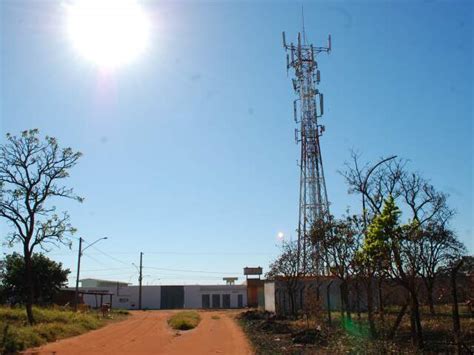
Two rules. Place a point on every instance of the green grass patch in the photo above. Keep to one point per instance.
(184, 320)
(51, 324)
(215, 317)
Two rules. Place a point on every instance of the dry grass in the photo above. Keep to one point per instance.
(352, 336)
(184, 320)
(51, 324)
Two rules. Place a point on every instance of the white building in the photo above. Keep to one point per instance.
(171, 297)
(101, 283)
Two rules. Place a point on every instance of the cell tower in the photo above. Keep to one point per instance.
(308, 108)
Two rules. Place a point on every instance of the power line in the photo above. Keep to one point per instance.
(110, 256)
(92, 258)
(193, 271)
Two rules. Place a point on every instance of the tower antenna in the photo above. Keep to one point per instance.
(313, 198)
(302, 20)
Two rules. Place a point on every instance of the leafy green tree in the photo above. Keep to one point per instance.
(375, 253)
(383, 229)
(48, 278)
(395, 250)
(31, 172)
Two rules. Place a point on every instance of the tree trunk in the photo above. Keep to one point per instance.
(416, 320)
(456, 322)
(398, 321)
(346, 300)
(370, 308)
(328, 296)
(381, 301)
(358, 300)
(292, 302)
(342, 300)
(429, 290)
(29, 287)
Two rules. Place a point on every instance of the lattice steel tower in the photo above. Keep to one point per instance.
(308, 108)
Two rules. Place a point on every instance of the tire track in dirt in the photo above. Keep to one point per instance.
(148, 333)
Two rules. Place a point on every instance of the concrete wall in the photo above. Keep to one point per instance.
(127, 297)
(232, 290)
(277, 298)
(151, 297)
(269, 292)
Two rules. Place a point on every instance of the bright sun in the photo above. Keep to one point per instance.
(109, 33)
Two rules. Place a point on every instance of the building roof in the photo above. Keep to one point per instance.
(108, 281)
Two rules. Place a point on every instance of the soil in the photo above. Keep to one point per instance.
(147, 332)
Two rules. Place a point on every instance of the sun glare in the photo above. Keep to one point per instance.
(109, 33)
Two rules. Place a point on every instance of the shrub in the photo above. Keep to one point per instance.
(184, 320)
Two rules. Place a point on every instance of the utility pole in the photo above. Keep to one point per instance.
(76, 294)
(140, 278)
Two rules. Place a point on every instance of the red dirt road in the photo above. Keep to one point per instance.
(148, 333)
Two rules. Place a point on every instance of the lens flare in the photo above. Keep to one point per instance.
(108, 33)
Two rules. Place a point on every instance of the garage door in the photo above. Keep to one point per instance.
(206, 301)
(216, 301)
(225, 301)
(172, 297)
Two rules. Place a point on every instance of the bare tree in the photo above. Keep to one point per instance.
(439, 246)
(30, 172)
(340, 246)
(409, 248)
(286, 269)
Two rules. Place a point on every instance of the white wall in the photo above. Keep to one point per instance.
(127, 296)
(151, 297)
(193, 294)
(269, 291)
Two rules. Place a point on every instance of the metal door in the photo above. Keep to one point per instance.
(240, 301)
(172, 297)
(216, 301)
(225, 301)
(206, 301)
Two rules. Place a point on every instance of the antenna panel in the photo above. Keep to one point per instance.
(321, 103)
(295, 111)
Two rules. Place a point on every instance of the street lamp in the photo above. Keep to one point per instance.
(81, 251)
(140, 278)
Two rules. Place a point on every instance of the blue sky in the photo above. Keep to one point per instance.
(189, 152)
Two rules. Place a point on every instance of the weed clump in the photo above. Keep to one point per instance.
(51, 324)
(184, 320)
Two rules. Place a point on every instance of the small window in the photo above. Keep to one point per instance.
(123, 300)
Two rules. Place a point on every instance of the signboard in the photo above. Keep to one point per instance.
(253, 270)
